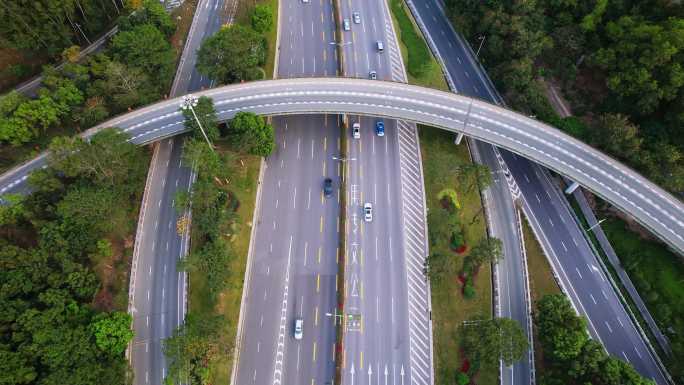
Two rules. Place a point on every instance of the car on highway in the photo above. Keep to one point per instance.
(299, 329)
(305, 1)
(380, 128)
(357, 18)
(346, 24)
(356, 130)
(380, 46)
(373, 75)
(368, 212)
(327, 187)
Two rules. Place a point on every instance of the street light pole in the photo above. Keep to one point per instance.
(482, 39)
(595, 224)
(189, 102)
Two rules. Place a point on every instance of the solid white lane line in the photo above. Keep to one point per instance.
(592, 298)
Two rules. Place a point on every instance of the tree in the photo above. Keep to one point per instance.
(112, 332)
(442, 225)
(232, 54)
(489, 250)
(108, 158)
(251, 133)
(146, 48)
(206, 114)
(262, 18)
(561, 332)
(193, 347)
(71, 54)
(12, 209)
(642, 60)
(476, 175)
(488, 341)
(197, 154)
(618, 136)
(149, 12)
(93, 208)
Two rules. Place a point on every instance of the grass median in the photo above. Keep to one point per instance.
(441, 160)
(421, 67)
(542, 282)
(243, 188)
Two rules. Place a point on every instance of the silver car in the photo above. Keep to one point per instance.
(368, 212)
(356, 130)
(299, 329)
(346, 24)
(357, 17)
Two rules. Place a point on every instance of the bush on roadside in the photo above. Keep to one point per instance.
(262, 18)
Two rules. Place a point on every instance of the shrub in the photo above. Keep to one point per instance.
(262, 18)
(462, 379)
(469, 290)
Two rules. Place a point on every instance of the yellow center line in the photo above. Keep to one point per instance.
(316, 317)
(338, 144)
(338, 225)
(337, 255)
(314, 351)
(322, 193)
(336, 278)
(325, 138)
(322, 33)
(339, 169)
(361, 360)
(318, 283)
(321, 223)
(325, 56)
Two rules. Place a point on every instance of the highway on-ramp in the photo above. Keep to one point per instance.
(547, 210)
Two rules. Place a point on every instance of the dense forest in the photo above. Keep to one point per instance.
(620, 65)
(619, 62)
(135, 68)
(53, 25)
(64, 263)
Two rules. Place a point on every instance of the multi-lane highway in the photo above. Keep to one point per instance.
(293, 265)
(389, 337)
(158, 291)
(547, 210)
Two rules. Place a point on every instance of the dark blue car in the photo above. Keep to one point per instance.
(380, 128)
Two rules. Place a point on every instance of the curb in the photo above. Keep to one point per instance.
(248, 271)
(138, 238)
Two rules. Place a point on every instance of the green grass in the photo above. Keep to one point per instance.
(542, 283)
(449, 308)
(421, 66)
(243, 15)
(243, 185)
(658, 275)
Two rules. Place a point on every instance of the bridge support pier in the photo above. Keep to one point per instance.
(459, 138)
(571, 189)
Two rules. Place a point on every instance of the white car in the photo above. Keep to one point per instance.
(356, 130)
(346, 24)
(368, 212)
(357, 18)
(305, 1)
(299, 329)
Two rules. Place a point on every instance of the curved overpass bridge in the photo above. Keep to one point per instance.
(649, 204)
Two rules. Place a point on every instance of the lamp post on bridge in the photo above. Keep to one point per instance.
(189, 102)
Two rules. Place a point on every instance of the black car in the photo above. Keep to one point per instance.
(327, 187)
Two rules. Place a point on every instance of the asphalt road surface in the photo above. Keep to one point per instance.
(627, 190)
(293, 272)
(388, 336)
(158, 299)
(547, 210)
